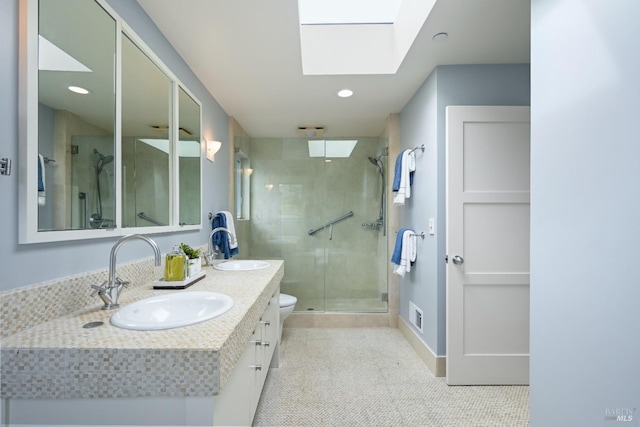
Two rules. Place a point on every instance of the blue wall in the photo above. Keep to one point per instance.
(422, 121)
(585, 205)
(26, 264)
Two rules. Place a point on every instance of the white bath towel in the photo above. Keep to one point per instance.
(408, 165)
(231, 227)
(408, 253)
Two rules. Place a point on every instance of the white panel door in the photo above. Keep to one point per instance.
(488, 163)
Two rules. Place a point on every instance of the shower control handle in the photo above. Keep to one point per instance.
(458, 260)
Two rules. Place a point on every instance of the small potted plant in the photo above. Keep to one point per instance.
(195, 264)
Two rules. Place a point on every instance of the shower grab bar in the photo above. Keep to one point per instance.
(154, 221)
(330, 223)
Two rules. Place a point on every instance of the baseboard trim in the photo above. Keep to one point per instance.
(436, 364)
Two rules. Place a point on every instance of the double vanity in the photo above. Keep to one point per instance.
(81, 369)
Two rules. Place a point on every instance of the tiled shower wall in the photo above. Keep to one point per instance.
(292, 193)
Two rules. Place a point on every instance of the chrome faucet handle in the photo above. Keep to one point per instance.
(123, 283)
(98, 289)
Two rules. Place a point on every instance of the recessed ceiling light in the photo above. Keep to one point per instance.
(440, 37)
(345, 93)
(78, 89)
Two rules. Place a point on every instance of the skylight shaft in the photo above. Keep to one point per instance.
(341, 12)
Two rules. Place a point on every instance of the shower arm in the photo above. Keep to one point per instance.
(330, 223)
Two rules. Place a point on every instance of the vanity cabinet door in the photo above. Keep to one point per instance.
(238, 401)
(231, 407)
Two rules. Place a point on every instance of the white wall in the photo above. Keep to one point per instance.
(585, 206)
(22, 265)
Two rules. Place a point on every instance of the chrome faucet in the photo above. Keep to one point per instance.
(212, 253)
(111, 289)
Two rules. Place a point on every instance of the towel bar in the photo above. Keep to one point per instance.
(418, 148)
(422, 234)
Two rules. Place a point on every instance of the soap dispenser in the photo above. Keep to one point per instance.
(176, 265)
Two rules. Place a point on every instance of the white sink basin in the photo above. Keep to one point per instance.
(241, 265)
(172, 311)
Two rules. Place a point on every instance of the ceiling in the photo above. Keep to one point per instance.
(247, 54)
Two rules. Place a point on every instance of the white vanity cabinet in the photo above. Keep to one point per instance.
(202, 375)
(238, 400)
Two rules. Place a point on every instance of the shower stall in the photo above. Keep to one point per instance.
(322, 211)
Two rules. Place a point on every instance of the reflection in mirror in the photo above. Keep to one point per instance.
(189, 158)
(243, 171)
(75, 130)
(146, 131)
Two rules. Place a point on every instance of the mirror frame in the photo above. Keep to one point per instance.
(28, 136)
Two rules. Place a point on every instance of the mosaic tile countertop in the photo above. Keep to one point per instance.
(61, 359)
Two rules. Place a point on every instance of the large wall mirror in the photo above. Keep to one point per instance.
(76, 115)
(117, 137)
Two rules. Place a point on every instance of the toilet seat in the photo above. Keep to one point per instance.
(287, 300)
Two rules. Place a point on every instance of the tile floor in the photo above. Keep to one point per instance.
(372, 377)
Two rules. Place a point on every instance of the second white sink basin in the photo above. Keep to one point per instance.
(241, 265)
(172, 310)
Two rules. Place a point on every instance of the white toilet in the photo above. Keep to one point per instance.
(287, 304)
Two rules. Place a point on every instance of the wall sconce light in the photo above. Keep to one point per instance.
(212, 148)
(248, 171)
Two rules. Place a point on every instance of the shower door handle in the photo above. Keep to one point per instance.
(330, 231)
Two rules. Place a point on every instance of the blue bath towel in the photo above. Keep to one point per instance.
(40, 173)
(397, 249)
(221, 238)
(404, 252)
(397, 172)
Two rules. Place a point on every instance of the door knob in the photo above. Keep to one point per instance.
(458, 260)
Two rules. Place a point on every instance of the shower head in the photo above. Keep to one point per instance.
(376, 161)
(104, 159)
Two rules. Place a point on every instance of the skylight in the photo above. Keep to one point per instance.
(328, 12)
(52, 58)
(358, 37)
(331, 148)
(185, 148)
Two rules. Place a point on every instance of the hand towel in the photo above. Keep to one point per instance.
(221, 238)
(405, 166)
(404, 252)
(42, 199)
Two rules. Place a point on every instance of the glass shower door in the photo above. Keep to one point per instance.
(337, 268)
(355, 249)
